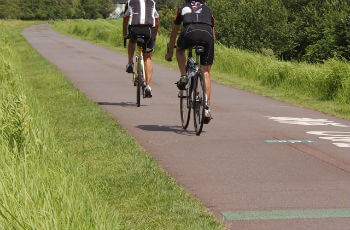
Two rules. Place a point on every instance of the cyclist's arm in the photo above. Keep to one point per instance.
(214, 34)
(173, 37)
(125, 25)
(126, 17)
(156, 27)
(214, 23)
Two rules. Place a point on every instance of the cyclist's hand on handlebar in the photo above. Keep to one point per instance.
(169, 56)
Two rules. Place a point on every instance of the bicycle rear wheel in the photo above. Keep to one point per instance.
(138, 88)
(199, 102)
(185, 109)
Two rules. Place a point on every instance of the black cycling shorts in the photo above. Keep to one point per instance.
(147, 33)
(198, 34)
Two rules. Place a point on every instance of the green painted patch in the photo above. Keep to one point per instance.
(288, 141)
(287, 214)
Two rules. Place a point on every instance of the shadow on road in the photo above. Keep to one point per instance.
(122, 104)
(165, 128)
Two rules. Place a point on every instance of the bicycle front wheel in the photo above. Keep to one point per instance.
(199, 102)
(185, 108)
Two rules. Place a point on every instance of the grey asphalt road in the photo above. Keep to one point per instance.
(260, 164)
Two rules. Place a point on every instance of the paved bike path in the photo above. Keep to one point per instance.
(288, 166)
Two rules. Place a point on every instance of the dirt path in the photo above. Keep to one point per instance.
(243, 161)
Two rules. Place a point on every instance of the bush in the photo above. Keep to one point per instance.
(292, 29)
(254, 25)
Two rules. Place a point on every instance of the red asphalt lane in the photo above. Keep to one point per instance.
(229, 167)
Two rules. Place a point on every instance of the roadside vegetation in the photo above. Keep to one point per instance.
(311, 31)
(301, 30)
(66, 164)
(55, 9)
(321, 86)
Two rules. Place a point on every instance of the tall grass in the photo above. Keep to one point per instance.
(76, 167)
(40, 187)
(328, 82)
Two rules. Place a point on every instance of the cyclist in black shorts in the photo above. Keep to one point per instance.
(198, 29)
(143, 19)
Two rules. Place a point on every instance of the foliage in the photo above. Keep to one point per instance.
(167, 4)
(166, 20)
(293, 29)
(329, 35)
(303, 30)
(55, 9)
(253, 25)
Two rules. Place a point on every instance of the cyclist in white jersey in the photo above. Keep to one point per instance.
(141, 18)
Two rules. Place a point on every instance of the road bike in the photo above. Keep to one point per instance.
(194, 96)
(139, 70)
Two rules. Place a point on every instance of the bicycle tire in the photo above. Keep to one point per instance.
(199, 91)
(185, 108)
(140, 81)
(138, 88)
(138, 92)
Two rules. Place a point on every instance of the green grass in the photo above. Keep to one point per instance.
(66, 164)
(323, 87)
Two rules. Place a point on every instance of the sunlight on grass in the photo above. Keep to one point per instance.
(66, 164)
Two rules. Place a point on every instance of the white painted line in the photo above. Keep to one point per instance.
(306, 121)
(339, 139)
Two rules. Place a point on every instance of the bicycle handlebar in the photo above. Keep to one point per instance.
(168, 48)
(125, 42)
(126, 38)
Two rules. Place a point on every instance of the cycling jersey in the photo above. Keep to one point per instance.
(194, 12)
(141, 12)
(198, 23)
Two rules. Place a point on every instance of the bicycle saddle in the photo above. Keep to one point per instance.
(199, 49)
(140, 41)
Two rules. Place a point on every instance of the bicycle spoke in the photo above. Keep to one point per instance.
(185, 109)
(199, 102)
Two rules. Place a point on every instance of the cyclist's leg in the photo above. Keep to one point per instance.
(131, 50)
(132, 43)
(206, 70)
(182, 45)
(147, 57)
(181, 60)
(207, 59)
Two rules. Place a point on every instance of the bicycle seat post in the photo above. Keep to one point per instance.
(190, 52)
(199, 51)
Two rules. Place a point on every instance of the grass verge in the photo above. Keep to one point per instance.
(323, 87)
(66, 164)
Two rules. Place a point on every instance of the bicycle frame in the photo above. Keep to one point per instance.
(140, 65)
(193, 97)
(139, 72)
(192, 68)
